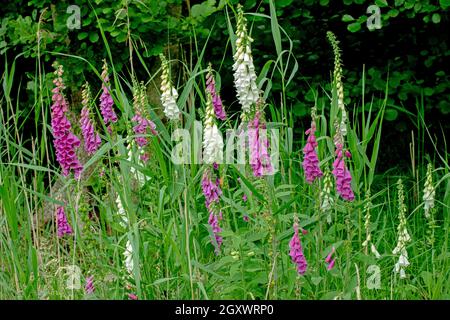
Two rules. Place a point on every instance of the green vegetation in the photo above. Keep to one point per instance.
(141, 226)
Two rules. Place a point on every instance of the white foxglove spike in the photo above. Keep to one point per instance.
(244, 69)
(429, 192)
(169, 94)
(403, 235)
(212, 145)
(128, 253)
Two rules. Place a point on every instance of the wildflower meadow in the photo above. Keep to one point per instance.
(202, 163)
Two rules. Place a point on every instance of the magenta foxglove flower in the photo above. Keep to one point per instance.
(89, 285)
(342, 175)
(329, 260)
(258, 144)
(145, 157)
(132, 296)
(61, 223)
(216, 100)
(211, 190)
(330, 255)
(296, 252)
(214, 223)
(66, 156)
(65, 141)
(311, 160)
(331, 264)
(142, 124)
(106, 101)
(91, 139)
(253, 140)
(264, 150)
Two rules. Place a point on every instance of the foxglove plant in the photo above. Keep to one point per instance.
(429, 191)
(65, 141)
(212, 138)
(121, 212)
(258, 145)
(61, 223)
(337, 81)
(296, 251)
(329, 260)
(142, 122)
(253, 141)
(403, 235)
(213, 221)
(367, 217)
(128, 254)
(92, 139)
(89, 287)
(141, 128)
(216, 100)
(211, 191)
(340, 171)
(244, 69)
(106, 101)
(311, 160)
(133, 152)
(169, 94)
(326, 200)
(132, 296)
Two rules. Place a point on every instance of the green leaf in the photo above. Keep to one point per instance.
(391, 114)
(122, 37)
(417, 7)
(436, 18)
(162, 280)
(284, 3)
(275, 28)
(93, 37)
(381, 3)
(354, 27)
(316, 280)
(393, 13)
(428, 91)
(347, 18)
(203, 10)
(82, 35)
(444, 3)
(409, 4)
